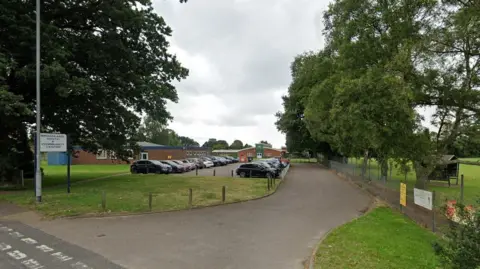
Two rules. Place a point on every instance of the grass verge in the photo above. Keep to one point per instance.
(130, 193)
(382, 238)
(471, 181)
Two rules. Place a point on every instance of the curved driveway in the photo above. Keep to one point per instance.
(272, 233)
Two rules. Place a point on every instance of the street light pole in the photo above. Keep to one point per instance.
(38, 173)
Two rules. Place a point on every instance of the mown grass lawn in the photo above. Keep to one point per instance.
(129, 193)
(55, 175)
(471, 181)
(380, 239)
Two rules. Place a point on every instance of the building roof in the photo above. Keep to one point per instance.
(148, 144)
(226, 150)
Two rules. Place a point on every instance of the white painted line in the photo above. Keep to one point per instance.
(80, 265)
(16, 234)
(4, 247)
(29, 241)
(61, 256)
(17, 255)
(32, 264)
(5, 229)
(45, 248)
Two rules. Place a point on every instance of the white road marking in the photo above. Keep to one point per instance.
(29, 241)
(5, 229)
(45, 248)
(16, 234)
(32, 264)
(80, 265)
(61, 256)
(4, 247)
(17, 255)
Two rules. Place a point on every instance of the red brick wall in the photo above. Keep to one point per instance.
(243, 154)
(271, 153)
(84, 157)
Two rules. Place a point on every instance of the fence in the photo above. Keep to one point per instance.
(388, 190)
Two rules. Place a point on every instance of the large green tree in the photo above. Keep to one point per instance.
(236, 144)
(103, 64)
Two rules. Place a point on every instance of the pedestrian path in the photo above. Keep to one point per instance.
(23, 247)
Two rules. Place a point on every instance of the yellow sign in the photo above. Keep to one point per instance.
(403, 194)
(169, 157)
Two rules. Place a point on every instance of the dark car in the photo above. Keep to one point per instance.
(276, 168)
(232, 159)
(222, 160)
(176, 168)
(254, 170)
(145, 167)
(214, 160)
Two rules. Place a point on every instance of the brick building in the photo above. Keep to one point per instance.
(259, 151)
(148, 151)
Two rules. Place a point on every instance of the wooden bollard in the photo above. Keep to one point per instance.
(232, 173)
(196, 171)
(223, 194)
(104, 201)
(150, 201)
(190, 198)
(213, 172)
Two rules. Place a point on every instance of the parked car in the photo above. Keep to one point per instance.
(198, 163)
(176, 168)
(254, 170)
(275, 168)
(207, 162)
(215, 161)
(220, 161)
(187, 167)
(151, 166)
(191, 165)
(232, 159)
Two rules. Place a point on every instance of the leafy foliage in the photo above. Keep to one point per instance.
(461, 249)
(382, 61)
(103, 63)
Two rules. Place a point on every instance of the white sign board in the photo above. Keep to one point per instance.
(423, 198)
(53, 142)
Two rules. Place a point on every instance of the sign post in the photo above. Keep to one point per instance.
(403, 195)
(52, 143)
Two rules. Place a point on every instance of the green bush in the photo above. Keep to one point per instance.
(460, 248)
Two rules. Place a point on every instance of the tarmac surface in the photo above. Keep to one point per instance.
(276, 232)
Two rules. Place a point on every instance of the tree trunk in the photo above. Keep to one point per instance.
(383, 168)
(422, 173)
(365, 163)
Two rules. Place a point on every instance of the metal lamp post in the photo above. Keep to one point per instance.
(38, 173)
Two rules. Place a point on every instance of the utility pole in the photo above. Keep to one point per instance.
(38, 173)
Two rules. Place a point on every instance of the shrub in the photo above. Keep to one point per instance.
(460, 248)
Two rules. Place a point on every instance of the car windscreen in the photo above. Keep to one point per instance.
(156, 162)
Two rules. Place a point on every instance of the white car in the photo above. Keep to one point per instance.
(208, 164)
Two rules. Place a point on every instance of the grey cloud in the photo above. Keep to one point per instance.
(250, 43)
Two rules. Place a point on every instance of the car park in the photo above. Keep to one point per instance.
(275, 168)
(215, 161)
(176, 168)
(152, 166)
(207, 163)
(191, 165)
(198, 163)
(186, 167)
(255, 170)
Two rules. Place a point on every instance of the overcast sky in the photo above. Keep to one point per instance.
(239, 54)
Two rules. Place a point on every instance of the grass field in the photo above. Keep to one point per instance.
(471, 181)
(380, 239)
(129, 193)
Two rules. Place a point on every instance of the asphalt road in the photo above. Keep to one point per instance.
(23, 247)
(277, 232)
(220, 171)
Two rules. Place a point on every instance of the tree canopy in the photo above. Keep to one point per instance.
(103, 63)
(383, 60)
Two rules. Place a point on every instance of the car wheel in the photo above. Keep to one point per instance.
(242, 174)
(134, 170)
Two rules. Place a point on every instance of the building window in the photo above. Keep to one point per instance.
(101, 155)
(249, 154)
